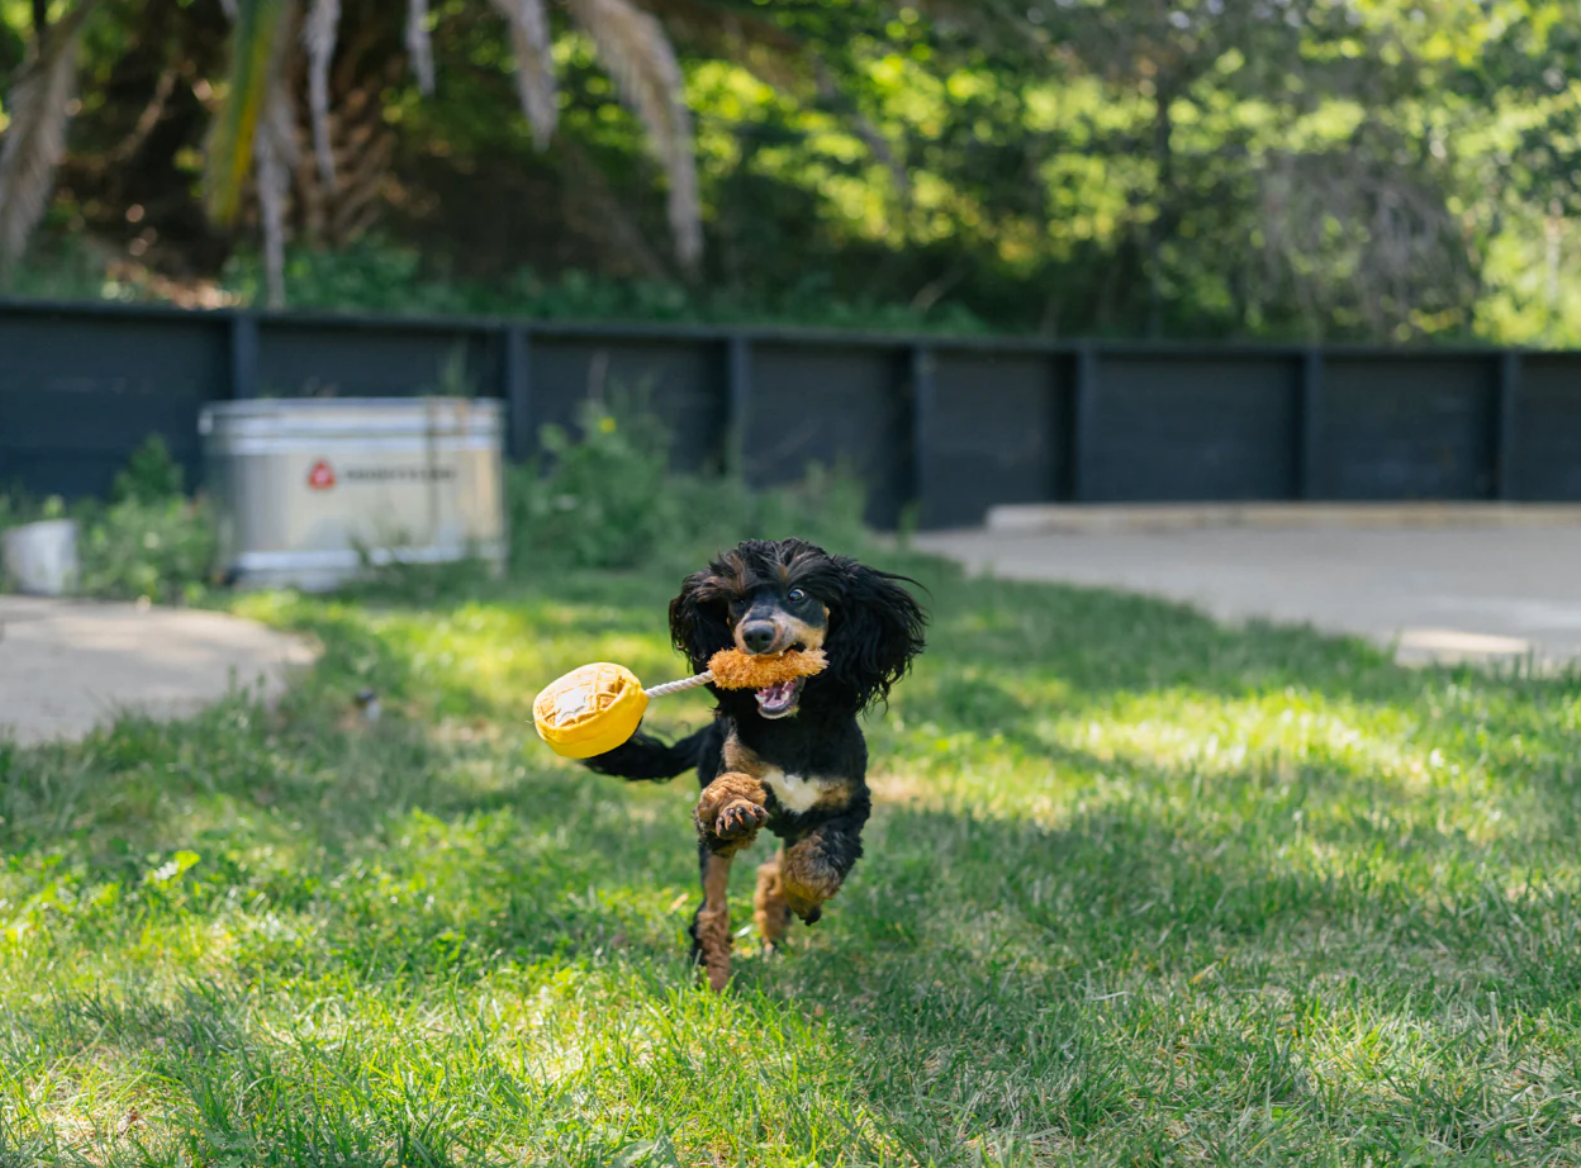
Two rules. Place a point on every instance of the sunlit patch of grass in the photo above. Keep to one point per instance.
(1138, 889)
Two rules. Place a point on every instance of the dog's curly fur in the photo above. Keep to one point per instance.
(793, 759)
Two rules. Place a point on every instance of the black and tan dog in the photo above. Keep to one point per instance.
(791, 757)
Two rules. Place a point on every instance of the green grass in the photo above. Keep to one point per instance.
(1138, 890)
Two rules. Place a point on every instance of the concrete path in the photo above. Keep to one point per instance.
(1438, 590)
(67, 666)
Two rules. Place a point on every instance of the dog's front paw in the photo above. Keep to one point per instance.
(729, 812)
(739, 819)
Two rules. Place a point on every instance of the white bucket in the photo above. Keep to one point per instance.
(41, 558)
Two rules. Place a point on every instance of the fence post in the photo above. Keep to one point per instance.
(244, 356)
(1309, 425)
(516, 375)
(1506, 428)
(738, 387)
(923, 397)
(1084, 421)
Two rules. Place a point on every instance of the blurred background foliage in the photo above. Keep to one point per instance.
(1334, 169)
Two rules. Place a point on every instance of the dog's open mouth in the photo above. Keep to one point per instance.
(779, 701)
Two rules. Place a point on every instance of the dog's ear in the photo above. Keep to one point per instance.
(875, 630)
(698, 619)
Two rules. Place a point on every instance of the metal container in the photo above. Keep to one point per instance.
(41, 558)
(310, 491)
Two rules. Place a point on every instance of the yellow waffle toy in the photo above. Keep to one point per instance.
(594, 709)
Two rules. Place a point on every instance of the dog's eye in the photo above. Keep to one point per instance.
(796, 596)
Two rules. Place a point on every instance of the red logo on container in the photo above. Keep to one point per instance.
(321, 477)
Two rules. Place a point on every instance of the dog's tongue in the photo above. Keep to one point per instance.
(774, 696)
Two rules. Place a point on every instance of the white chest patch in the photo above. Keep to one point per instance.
(796, 793)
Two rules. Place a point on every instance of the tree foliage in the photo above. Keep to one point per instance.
(1299, 168)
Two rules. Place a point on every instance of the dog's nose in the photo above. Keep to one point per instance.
(758, 636)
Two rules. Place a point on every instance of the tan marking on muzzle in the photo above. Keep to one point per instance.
(788, 631)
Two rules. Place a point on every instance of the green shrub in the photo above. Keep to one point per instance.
(604, 501)
(826, 507)
(150, 540)
(609, 500)
(159, 549)
(150, 475)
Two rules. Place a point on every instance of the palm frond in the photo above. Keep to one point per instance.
(40, 108)
(257, 43)
(633, 48)
(318, 36)
(756, 43)
(419, 49)
(531, 42)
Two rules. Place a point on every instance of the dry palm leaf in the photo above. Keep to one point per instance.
(633, 48)
(319, 35)
(754, 42)
(419, 49)
(274, 148)
(530, 40)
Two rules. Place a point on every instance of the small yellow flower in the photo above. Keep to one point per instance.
(606, 425)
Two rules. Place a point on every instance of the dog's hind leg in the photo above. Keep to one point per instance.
(813, 868)
(711, 924)
(769, 908)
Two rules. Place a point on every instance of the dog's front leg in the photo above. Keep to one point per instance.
(729, 812)
(711, 925)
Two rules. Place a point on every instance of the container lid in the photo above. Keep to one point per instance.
(352, 416)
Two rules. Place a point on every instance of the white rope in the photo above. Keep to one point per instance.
(685, 683)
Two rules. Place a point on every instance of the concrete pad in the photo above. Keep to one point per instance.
(1096, 518)
(1494, 591)
(67, 666)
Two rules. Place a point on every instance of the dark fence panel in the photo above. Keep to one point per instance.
(682, 382)
(1422, 428)
(315, 359)
(948, 426)
(1547, 420)
(76, 398)
(995, 431)
(1184, 427)
(842, 407)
